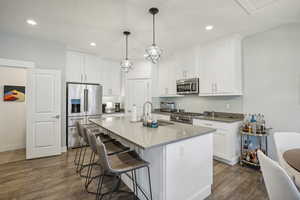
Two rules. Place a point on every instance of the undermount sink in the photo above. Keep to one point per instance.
(164, 123)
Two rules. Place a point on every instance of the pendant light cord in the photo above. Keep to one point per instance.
(153, 30)
(126, 47)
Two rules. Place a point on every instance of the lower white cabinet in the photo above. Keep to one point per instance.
(226, 140)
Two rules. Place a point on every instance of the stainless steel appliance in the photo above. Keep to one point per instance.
(184, 117)
(187, 86)
(84, 102)
(166, 106)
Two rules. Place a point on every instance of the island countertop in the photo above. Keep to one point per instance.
(144, 137)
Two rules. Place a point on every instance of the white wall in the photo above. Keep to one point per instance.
(272, 77)
(45, 54)
(12, 114)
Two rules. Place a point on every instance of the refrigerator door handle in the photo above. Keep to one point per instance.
(85, 100)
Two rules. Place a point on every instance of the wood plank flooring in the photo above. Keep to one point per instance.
(54, 178)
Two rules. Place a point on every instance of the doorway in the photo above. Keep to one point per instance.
(30, 115)
(12, 114)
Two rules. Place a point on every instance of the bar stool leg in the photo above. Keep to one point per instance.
(79, 159)
(136, 186)
(76, 155)
(133, 184)
(99, 188)
(149, 178)
(90, 169)
(82, 163)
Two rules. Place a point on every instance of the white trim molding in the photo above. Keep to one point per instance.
(16, 63)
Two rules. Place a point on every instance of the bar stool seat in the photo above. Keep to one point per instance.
(126, 161)
(117, 165)
(114, 147)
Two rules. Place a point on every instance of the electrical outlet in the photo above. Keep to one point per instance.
(228, 106)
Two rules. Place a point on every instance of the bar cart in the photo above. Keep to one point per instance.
(250, 143)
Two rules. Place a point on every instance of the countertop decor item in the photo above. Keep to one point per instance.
(153, 53)
(14, 93)
(126, 64)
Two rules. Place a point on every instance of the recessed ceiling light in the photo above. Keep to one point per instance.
(93, 44)
(209, 27)
(31, 22)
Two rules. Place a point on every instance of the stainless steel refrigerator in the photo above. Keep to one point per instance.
(84, 102)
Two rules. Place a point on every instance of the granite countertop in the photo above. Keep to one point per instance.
(136, 133)
(218, 119)
(114, 112)
(222, 118)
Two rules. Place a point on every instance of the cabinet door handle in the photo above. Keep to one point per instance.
(81, 78)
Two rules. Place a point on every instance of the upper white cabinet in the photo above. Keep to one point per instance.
(219, 67)
(88, 68)
(74, 67)
(186, 64)
(140, 70)
(110, 77)
(82, 67)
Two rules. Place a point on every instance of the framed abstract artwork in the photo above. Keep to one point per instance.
(14, 93)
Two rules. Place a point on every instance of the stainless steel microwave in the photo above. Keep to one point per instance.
(187, 86)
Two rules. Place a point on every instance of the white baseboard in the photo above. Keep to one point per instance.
(12, 147)
(202, 194)
(229, 162)
(64, 149)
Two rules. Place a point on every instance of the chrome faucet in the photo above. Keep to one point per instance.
(213, 114)
(145, 115)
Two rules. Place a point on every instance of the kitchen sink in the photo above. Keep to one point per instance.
(164, 123)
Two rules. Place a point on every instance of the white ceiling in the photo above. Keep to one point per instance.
(180, 23)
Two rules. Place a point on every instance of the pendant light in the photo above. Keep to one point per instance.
(153, 53)
(126, 64)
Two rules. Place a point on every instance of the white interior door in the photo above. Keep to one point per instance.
(43, 134)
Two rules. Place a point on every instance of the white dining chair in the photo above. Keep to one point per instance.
(278, 183)
(285, 141)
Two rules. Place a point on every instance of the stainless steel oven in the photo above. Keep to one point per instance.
(187, 86)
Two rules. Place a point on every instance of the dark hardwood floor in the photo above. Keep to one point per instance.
(54, 178)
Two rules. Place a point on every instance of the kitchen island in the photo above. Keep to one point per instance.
(181, 156)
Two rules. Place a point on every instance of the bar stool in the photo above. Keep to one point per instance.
(117, 165)
(83, 142)
(113, 147)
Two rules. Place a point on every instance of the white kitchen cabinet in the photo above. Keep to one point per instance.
(110, 78)
(92, 70)
(220, 68)
(186, 64)
(226, 140)
(82, 67)
(86, 68)
(74, 66)
(167, 79)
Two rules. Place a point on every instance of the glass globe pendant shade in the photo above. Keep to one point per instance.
(153, 54)
(126, 65)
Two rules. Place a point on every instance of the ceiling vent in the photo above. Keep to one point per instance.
(253, 6)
